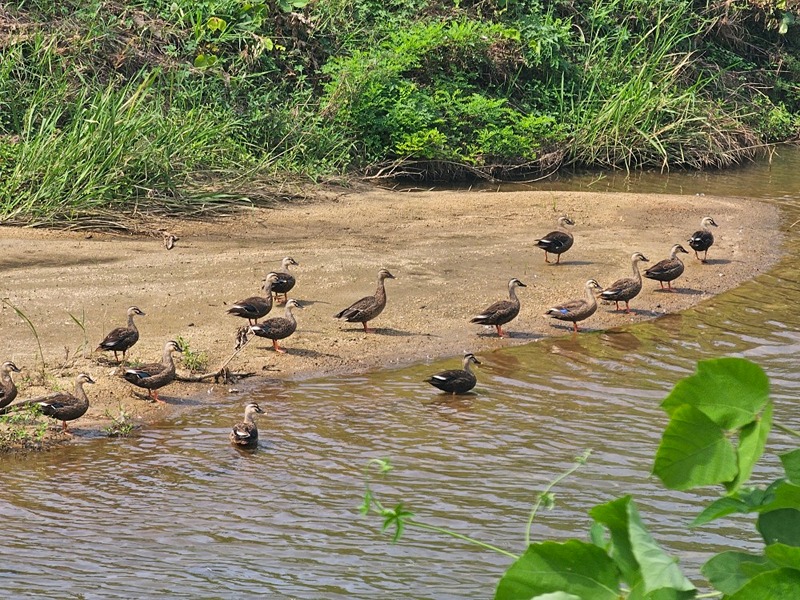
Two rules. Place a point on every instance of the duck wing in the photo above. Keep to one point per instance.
(356, 311)
(275, 328)
(244, 434)
(619, 288)
(284, 283)
(120, 338)
(144, 372)
(665, 269)
(555, 242)
(495, 313)
(254, 307)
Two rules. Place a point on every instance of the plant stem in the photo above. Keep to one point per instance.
(786, 429)
(579, 461)
(411, 522)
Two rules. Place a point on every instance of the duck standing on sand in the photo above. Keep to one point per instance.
(286, 280)
(245, 434)
(626, 289)
(668, 269)
(61, 406)
(502, 311)
(256, 307)
(278, 328)
(8, 389)
(576, 310)
(557, 242)
(365, 310)
(154, 376)
(703, 239)
(456, 381)
(122, 338)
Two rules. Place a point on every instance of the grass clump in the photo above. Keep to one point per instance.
(112, 110)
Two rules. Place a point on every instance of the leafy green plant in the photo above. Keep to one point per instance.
(22, 425)
(195, 361)
(121, 425)
(720, 419)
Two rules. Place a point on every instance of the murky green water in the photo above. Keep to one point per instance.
(178, 513)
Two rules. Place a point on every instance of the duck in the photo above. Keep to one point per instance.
(245, 434)
(278, 328)
(702, 239)
(8, 389)
(557, 242)
(668, 269)
(61, 406)
(623, 290)
(256, 307)
(456, 381)
(154, 376)
(576, 310)
(286, 280)
(502, 311)
(122, 338)
(369, 307)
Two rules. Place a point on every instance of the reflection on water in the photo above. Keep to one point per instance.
(178, 513)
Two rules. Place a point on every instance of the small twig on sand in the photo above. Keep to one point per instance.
(223, 373)
(793, 224)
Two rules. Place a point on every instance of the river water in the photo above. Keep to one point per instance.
(177, 513)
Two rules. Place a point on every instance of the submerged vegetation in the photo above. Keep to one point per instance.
(108, 110)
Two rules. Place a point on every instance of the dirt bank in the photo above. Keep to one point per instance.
(451, 252)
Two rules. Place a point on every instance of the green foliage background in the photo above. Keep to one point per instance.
(178, 105)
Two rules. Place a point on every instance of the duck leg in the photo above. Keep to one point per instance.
(499, 331)
(277, 348)
(575, 326)
(627, 308)
(545, 257)
(366, 329)
(558, 258)
(154, 396)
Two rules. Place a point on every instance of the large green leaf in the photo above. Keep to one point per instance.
(783, 555)
(729, 571)
(743, 501)
(782, 495)
(780, 584)
(573, 567)
(694, 452)
(780, 526)
(638, 556)
(752, 439)
(791, 464)
(729, 391)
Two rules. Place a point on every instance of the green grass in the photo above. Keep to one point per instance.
(114, 111)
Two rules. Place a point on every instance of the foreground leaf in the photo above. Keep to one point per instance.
(752, 440)
(694, 452)
(729, 571)
(729, 391)
(791, 464)
(780, 584)
(639, 557)
(780, 526)
(572, 567)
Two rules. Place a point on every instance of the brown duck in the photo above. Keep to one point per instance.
(576, 310)
(122, 338)
(668, 269)
(557, 242)
(456, 381)
(256, 307)
(703, 239)
(278, 328)
(245, 434)
(286, 280)
(62, 406)
(8, 390)
(154, 376)
(623, 290)
(369, 307)
(502, 311)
